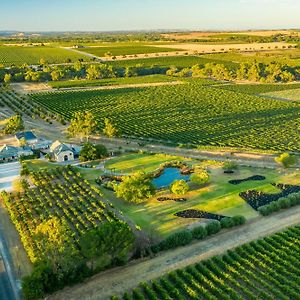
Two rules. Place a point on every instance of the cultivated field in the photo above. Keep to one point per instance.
(204, 48)
(31, 55)
(116, 50)
(263, 269)
(190, 113)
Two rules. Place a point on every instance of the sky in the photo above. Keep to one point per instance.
(108, 15)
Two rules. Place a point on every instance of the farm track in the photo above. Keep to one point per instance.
(240, 157)
(119, 280)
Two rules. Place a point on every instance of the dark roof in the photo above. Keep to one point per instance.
(27, 135)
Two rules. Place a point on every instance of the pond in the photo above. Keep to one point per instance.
(167, 177)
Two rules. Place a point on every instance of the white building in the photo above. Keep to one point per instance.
(61, 152)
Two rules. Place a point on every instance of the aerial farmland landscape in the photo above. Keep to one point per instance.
(150, 150)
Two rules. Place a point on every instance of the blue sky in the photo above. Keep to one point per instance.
(103, 15)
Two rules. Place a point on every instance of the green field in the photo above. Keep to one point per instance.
(217, 197)
(177, 61)
(289, 57)
(113, 81)
(19, 55)
(256, 89)
(293, 94)
(263, 269)
(190, 114)
(125, 50)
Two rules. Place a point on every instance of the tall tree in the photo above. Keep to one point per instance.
(82, 125)
(135, 188)
(110, 129)
(13, 125)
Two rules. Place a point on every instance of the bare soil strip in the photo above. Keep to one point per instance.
(34, 88)
(119, 280)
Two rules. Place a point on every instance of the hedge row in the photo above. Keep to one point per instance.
(281, 203)
(185, 237)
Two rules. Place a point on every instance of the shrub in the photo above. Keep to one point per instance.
(226, 223)
(179, 187)
(199, 232)
(181, 238)
(238, 220)
(284, 202)
(213, 227)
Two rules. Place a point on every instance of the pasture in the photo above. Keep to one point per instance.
(191, 114)
(19, 55)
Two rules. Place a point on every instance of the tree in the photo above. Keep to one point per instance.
(82, 125)
(42, 61)
(179, 187)
(110, 129)
(13, 125)
(109, 244)
(200, 177)
(92, 152)
(54, 238)
(7, 78)
(287, 160)
(229, 166)
(20, 185)
(135, 188)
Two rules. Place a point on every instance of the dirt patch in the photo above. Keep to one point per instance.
(30, 87)
(203, 48)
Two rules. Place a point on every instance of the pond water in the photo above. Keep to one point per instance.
(167, 177)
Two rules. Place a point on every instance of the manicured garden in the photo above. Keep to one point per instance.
(158, 214)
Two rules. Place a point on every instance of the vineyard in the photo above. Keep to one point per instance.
(264, 269)
(177, 61)
(125, 50)
(113, 81)
(260, 88)
(31, 55)
(189, 114)
(61, 193)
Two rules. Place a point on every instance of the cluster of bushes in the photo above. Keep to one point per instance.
(281, 203)
(185, 237)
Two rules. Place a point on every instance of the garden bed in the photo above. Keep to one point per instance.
(254, 177)
(162, 199)
(258, 198)
(199, 214)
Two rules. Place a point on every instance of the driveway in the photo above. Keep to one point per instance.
(8, 173)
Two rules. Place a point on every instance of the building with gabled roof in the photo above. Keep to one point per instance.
(61, 152)
(27, 136)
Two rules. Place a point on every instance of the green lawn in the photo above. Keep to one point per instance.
(139, 162)
(218, 196)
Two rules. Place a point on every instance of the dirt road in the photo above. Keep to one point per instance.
(115, 282)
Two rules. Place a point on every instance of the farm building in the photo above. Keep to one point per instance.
(11, 153)
(28, 137)
(61, 152)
